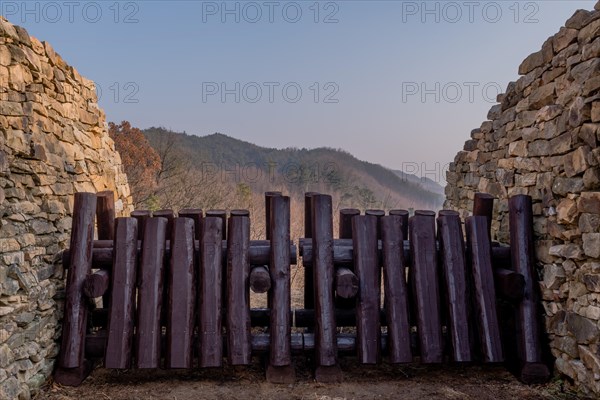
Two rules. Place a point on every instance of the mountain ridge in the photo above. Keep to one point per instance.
(357, 183)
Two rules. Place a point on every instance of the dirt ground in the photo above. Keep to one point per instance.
(360, 382)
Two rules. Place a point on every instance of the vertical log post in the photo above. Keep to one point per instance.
(345, 226)
(309, 290)
(105, 215)
(485, 293)
(170, 216)
(210, 304)
(239, 350)
(454, 271)
(345, 232)
(527, 319)
(426, 286)
(280, 369)
(403, 214)
(368, 326)
(105, 221)
(483, 205)
(150, 293)
(182, 295)
(141, 216)
(327, 369)
(72, 366)
(239, 213)
(268, 196)
(396, 294)
(379, 214)
(220, 214)
(121, 314)
(196, 214)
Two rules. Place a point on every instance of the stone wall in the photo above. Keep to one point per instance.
(53, 143)
(542, 140)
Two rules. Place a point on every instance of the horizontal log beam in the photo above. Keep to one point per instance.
(260, 317)
(95, 343)
(510, 285)
(343, 252)
(260, 279)
(258, 253)
(96, 284)
(346, 283)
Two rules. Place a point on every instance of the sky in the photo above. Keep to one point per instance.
(398, 83)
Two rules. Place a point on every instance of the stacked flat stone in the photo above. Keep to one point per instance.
(542, 140)
(54, 143)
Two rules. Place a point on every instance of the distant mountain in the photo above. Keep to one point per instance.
(425, 182)
(352, 182)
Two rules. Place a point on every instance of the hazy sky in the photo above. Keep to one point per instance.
(400, 83)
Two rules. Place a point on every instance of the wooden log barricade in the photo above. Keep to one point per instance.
(176, 289)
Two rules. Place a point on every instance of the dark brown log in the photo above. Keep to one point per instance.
(239, 351)
(448, 213)
(483, 205)
(454, 269)
(182, 295)
(150, 294)
(239, 213)
(510, 285)
(345, 228)
(345, 232)
(105, 244)
(396, 292)
(308, 219)
(501, 257)
(366, 264)
(141, 216)
(268, 196)
(280, 326)
(209, 295)
(260, 279)
(322, 237)
(425, 282)
(96, 284)
(170, 216)
(220, 214)
(346, 283)
(105, 215)
(309, 290)
(425, 213)
(223, 215)
(75, 312)
(485, 293)
(196, 214)
(122, 299)
(379, 214)
(258, 253)
(404, 214)
(527, 319)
